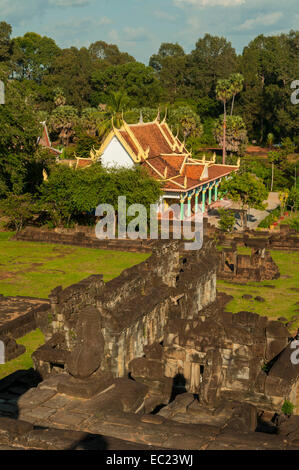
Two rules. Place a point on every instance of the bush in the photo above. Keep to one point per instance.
(272, 217)
(227, 220)
(288, 408)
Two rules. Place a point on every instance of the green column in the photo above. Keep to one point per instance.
(210, 195)
(182, 209)
(189, 206)
(196, 202)
(203, 200)
(216, 192)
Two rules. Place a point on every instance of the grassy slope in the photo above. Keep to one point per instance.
(34, 269)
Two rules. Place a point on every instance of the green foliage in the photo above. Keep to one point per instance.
(287, 408)
(84, 145)
(135, 79)
(68, 193)
(227, 220)
(246, 189)
(236, 134)
(63, 121)
(270, 219)
(19, 209)
(33, 55)
(294, 224)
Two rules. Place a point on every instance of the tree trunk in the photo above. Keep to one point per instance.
(272, 177)
(224, 136)
(245, 220)
(232, 106)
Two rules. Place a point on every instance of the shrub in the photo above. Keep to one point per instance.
(227, 220)
(287, 408)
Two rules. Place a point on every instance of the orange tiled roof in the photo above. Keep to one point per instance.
(154, 146)
(84, 162)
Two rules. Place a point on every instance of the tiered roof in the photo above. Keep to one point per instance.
(165, 157)
(45, 141)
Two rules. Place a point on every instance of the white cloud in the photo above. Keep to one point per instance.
(69, 3)
(209, 3)
(164, 15)
(136, 34)
(260, 20)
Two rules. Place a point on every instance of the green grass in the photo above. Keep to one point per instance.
(280, 301)
(34, 269)
(31, 341)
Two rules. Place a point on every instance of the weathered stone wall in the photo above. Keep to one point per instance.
(134, 308)
(85, 239)
(259, 266)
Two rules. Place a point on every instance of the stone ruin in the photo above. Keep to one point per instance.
(151, 357)
(258, 266)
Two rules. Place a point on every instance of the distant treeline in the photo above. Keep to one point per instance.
(86, 77)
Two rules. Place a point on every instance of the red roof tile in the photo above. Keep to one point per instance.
(149, 135)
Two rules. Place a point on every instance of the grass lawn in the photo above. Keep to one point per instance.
(34, 269)
(280, 301)
(31, 341)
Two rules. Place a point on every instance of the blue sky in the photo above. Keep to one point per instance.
(140, 26)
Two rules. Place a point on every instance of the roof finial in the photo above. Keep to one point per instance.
(141, 117)
(158, 115)
(164, 119)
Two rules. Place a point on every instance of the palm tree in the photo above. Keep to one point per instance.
(237, 81)
(224, 92)
(117, 103)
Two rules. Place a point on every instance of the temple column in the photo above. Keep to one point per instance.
(189, 206)
(182, 207)
(196, 202)
(203, 200)
(216, 192)
(210, 195)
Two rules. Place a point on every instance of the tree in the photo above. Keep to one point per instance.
(227, 220)
(246, 189)
(134, 79)
(117, 103)
(59, 97)
(270, 140)
(212, 59)
(293, 199)
(269, 65)
(5, 41)
(224, 93)
(235, 134)
(19, 209)
(108, 54)
(185, 121)
(33, 56)
(63, 121)
(71, 71)
(170, 66)
(68, 192)
(91, 119)
(18, 139)
(237, 81)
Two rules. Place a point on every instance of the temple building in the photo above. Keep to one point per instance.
(185, 180)
(44, 141)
